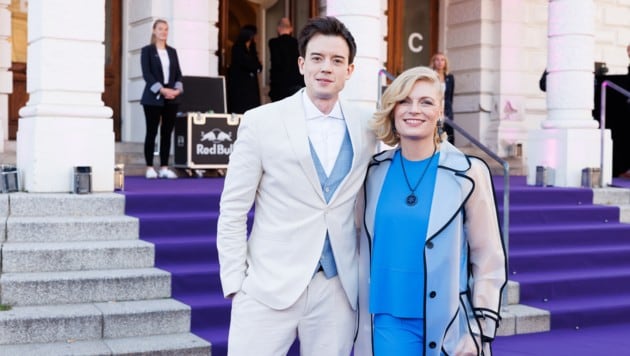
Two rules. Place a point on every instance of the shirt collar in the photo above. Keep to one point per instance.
(312, 112)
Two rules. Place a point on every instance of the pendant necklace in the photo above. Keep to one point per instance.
(411, 199)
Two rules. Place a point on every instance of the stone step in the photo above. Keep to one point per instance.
(513, 292)
(523, 319)
(128, 153)
(131, 154)
(76, 256)
(518, 318)
(22, 289)
(611, 196)
(71, 228)
(64, 204)
(619, 197)
(61, 323)
(184, 344)
(624, 213)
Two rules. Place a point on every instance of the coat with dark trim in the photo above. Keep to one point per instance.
(465, 262)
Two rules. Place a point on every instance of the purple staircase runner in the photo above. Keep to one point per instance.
(570, 257)
(180, 217)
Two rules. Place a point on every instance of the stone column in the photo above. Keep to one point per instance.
(363, 19)
(6, 77)
(569, 139)
(65, 122)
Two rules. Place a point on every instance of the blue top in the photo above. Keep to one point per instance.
(397, 272)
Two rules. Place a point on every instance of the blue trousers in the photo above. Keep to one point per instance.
(398, 336)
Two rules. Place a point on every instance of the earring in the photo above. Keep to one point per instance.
(440, 127)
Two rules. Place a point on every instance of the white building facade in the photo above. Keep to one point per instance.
(497, 51)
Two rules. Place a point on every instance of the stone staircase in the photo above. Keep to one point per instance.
(76, 279)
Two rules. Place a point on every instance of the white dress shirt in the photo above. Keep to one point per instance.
(326, 132)
(166, 62)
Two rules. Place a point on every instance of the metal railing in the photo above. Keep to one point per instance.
(504, 164)
(602, 122)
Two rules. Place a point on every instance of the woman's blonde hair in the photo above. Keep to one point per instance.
(383, 120)
(155, 23)
(433, 57)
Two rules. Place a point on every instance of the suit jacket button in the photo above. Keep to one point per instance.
(429, 245)
(432, 294)
(432, 344)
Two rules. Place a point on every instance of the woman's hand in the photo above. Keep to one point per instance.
(169, 93)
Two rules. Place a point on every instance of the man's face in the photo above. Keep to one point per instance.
(325, 67)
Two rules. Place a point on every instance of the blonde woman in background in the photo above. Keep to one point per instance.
(160, 98)
(439, 63)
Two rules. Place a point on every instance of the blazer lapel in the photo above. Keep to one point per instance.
(450, 179)
(355, 128)
(295, 126)
(377, 171)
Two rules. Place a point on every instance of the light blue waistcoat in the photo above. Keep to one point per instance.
(329, 186)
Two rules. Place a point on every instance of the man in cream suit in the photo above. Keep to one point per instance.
(300, 162)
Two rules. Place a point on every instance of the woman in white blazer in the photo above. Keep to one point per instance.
(432, 262)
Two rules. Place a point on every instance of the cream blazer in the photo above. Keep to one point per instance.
(271, 169)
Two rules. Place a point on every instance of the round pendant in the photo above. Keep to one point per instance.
(411, 199)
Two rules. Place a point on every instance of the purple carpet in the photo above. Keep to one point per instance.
(570, 257)
(621, 182)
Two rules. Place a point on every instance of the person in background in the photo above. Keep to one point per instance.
(301, 162)
(243, 88)
(432, 261)
(439, 63)
(542, 82)
(285, 77)
(160, 98)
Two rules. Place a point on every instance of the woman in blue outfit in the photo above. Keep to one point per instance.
(160, 98)
(433, 264)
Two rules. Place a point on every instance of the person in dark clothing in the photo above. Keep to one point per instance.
(439, 63)
(243, 89)
(542, 83)
(284, 74)
(160, 97)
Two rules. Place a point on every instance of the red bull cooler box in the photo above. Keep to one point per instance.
(204, 140)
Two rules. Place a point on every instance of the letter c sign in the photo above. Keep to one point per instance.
(411, 42)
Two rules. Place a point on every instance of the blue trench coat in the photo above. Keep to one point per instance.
(465, 262)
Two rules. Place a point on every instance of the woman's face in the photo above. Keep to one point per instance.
(161, 31)
(416, 116)
(439, 62)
